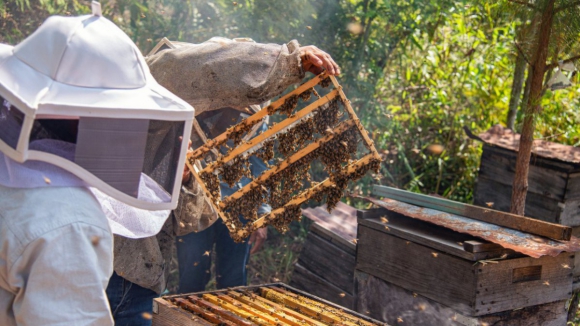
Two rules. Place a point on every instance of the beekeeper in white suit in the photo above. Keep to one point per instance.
(84, 130)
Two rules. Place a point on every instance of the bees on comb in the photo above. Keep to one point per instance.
(311, 130)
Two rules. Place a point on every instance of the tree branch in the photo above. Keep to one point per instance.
(554, 65)
(522, 53)
(564, 7)
(525, 3)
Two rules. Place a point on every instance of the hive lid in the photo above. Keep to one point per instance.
(506, 138)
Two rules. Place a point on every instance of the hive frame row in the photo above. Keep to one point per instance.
(242, 148)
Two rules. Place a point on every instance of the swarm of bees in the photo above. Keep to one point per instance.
(326, 131)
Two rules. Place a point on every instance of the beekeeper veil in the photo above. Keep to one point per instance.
(78, 94)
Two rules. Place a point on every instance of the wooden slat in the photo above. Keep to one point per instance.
(289, 312)
(207, 315)
(353, 116)
(168, 314)
(521, 223)
(272, 320)
(480, 246)
(313, 312)
(497, 195)
(500, 288)
(328, 262)
(264, 309)
(346, 244)
(220, 311)
(308, 282)
(304, 196)
(427, 234)
(272, 131)
(287, 162)
(257, 116)
(338, 312)
(499, 164)
(236, 310)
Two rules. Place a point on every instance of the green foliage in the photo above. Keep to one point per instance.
(417, 71)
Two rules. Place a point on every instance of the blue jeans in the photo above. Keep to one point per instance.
(129, 301)
(194, 253)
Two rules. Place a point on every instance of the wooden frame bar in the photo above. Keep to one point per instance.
(292, 159)
(272, 131)
(255, 117)
(258, 140)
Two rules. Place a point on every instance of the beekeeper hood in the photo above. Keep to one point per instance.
(78, 94)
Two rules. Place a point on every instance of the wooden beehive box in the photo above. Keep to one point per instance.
(325, 267)
(553, 182)
(271, 304)
(456, 269)
(395, 305)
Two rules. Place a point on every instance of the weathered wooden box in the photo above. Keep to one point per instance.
(325, 267)
(269, 304)
(553, 182)
(456, 269)
(387, 302)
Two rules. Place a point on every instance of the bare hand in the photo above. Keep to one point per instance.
(316, 61)
(258, 238)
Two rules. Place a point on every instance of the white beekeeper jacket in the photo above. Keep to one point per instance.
(86, 134)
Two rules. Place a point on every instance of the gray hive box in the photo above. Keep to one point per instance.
(554, 177)
(325, 267)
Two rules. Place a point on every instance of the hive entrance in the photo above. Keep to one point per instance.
(319, 128)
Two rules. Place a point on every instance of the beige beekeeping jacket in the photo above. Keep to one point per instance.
(211, 75)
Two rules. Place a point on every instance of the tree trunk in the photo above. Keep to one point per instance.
(520, 185)
(519, 75)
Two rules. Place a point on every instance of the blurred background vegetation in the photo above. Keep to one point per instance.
(417, 72)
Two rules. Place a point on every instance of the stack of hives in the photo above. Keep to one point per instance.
(260, 305)
(319, 126)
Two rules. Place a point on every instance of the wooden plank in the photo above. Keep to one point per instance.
(499, 165)
(167, 314)
(570, 212)
(264, 309)
(257, 116)
(523, 282)
(304, 280)
(352, 114)
(426, 271)
(535, 160)
(328, 262)
(302, 197)
(429, 235)
(341, 221)
(347, 245)
(387, 302)
(272, 130)
(480, 246)
(220, 311)
(256, 312)
(286, 163)
(203, 312)
(289, 312)
(344, 316)
(521, 223)
(573, 186)
(499, 197)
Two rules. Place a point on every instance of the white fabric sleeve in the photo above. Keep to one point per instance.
(62, 276)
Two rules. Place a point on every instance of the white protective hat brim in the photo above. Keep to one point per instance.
(38, 95)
